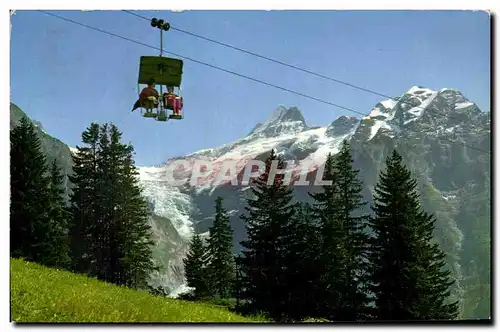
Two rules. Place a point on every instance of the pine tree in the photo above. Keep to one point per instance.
(303, 276)
(408, 279)
(220, 266)
(325, 210)
(59, 217)
(353, 237)
(84, 205)
(111, 237)
(195, 267)
(30, 196)
(103, 231)
(131, 253)
(267, 246)
(344, 240)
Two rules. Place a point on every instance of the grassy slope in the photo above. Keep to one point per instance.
(40, 294)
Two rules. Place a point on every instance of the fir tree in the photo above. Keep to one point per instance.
(408, 279)
(59, 218)
(303, 276)
(103, 231)
(84, 205)
(30, 196)
(352, 238)
(132, 254)
(220, 266)
(195, 267)
(110, 233)
(344, 240)
(325, 210)
(267, 247)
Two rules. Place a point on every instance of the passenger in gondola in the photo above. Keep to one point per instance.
(172, 101)
(148, 97)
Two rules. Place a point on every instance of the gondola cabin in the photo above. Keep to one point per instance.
(166, 72)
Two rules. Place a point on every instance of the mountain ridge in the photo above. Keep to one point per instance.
(414, 112)
(432, 145)
(453, 179)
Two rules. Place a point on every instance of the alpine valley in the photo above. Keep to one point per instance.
(444, 139)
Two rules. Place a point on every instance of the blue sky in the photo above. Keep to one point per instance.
(67, 76)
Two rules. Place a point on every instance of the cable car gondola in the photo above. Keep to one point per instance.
(161, 71)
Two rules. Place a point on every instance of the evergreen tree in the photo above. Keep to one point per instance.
(84, 205)
(221, 265)
(195, 267)
(353, 237)
(133, 233)
(303, 276)
(267, 247)
(30, 196)
(59, 217)
(344, 238)
(103, 232)
(110, 231)
(325, 210)
(407, 278)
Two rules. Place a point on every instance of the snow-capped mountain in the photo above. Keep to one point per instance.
(440, 114)
(432, 129)
(428, 127)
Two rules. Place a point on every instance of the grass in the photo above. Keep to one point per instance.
(40, 294)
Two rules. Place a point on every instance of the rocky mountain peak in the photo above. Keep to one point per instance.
(282, 121)
(286, 114)
(422, 109)
(341, 126)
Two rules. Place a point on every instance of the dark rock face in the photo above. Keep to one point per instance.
(342, 126)
(282, 121)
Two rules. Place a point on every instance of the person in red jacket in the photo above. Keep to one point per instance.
(147, 92)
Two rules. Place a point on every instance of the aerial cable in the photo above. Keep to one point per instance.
(227, 71)
(265, 57)
(290, 66)
(205, 63)
(282, 63)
